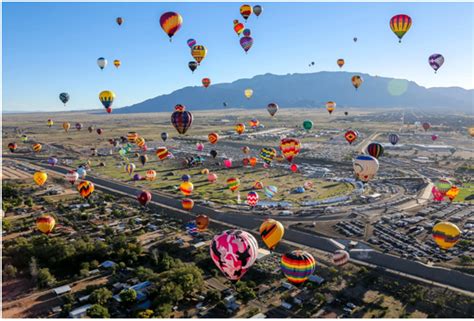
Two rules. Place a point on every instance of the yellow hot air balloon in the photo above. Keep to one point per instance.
(248, 93)
(272, 232)
(117, 63)
(37, 147)
(50, 122)
(471, 131)
(66, 126)
(186, 188)
(446, 234)
(40, 178)
(246, 11)
(45, 223)
(107, 97)
(198, 52)
(330, 106)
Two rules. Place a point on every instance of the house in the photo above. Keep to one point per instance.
(286, 305)
(79, 312)
(262, 253)
(198, 245)
(62, 290)
(316, 279)
(231, 304)
(287, 285)
(107, 264)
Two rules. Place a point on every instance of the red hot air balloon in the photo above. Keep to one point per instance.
(350, 136)
(426, 126)
(144, 197)
(181, 119)
(290, 147)
(206, 82)
(170, 23)
(252, 199)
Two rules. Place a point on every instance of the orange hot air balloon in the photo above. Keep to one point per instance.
(350, 136)
(85, 188)
(253, 161)
(238, 27)
(452, 193)
(45, 223)
(66, 126)
(290, 148)
(40, 178)
(202, 222)
(330, 106)
(206, 82)
(246, 11)
(340, 63)
(186, 188)
(187, 204)
(170, 23)
(240, 128)
(213, 138)
(37, 147)
(117, 63)
(150, 175)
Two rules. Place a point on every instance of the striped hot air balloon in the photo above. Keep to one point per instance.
(252, 199)
(270, 190)
(130, 168)
(233, 183)
(340, 257)
(446, 235)
(37, 147)
(246, 43)
(400, 24)
(150, 175)
(375, 150)
(267, 154)
(186, 188)
(198, 52)
(187, 204)
(330, 106)
(140, 141)
(162, 153)
(290, 148)
(246, 10)
(45, 224)
(85, 188)
(170, 23)
(271, 232)
(258, 185)
(393, 138)
(181, 119)
(297, 266)
(132, 137)
(238, 27)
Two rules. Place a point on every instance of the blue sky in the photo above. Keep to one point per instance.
(49, 48)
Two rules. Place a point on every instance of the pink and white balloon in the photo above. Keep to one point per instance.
(340, 257)
(252, 199)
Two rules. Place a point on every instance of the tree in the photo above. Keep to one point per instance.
(98, 312)
(34, 269)
(145, 314)
(10, 271)
(45, 279)
(128, 296)
(100, 296)
(213, 296)
(6, 225)
(164, 310)
(170, 292)
(29, 202)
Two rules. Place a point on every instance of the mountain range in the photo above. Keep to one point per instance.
(312, 90)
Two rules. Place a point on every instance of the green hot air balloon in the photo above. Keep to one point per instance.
(307, 124)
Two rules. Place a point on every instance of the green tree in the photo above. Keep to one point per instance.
(45, 278)
(128, 296)
(98, 312)
(29, 202)
(213, 296)
(10, 271)
(170, 292)
(145, 314)
(100, 296)
(164, 310)
(6, 225)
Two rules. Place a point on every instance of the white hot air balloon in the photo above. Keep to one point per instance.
(365, 167)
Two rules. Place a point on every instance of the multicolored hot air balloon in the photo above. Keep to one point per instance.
(272, 109)
(365, 167)
(85, 188)
(436, 61)
(117, 63)
(307, 124)
(64, 98)
(198, 52)
(140, 141)
(233, 183)
(102, 63)
(257, 10)
(400, 24)
(253, 123)
(234, 252)
(45, 224)
(340, 63)
(245, 149)
(357, 81)
(162, 153)
(79, 126)
(340, 257)
(202, 222)
(247, 32)
(170, 23)
(213, 138)
(267, 154)
(443, 185)
(426, 126)
(40, 178)
(191, 42)
(24, 138)
(206, 82)
(271, 232)
(130, 168)
(393, 138)
(50, 123)
(330, 106)
(192, 65)
(246, 11)
(270, 191)
(107, 97)
(446, 235)
(187, 204)
(452, 193)
(181, 119)
(238, 27)
(375, 150)
(186, 188)
(246, 43)
(150, 175)
(350, 136)
(143, 159)
(144, 197)
(252, 199)
(290, 148)
(297, 266)
(12, 147)
(37, 147)
(52, 161)
(240, 128)
(72, 177)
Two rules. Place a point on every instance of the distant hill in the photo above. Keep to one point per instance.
(311, 90)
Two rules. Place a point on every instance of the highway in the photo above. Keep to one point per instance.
(251, 222)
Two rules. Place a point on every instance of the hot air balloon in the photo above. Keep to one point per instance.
(199, 147)
(240, 128)
(270, 191)
(290, 148)
(346, 113)
(213, 138)
(247, 32)
(271, 232)
(130, 168)
(162, 153)
(437, 195)
(90, 129)
(78, 126)
(350, 136)
(52, 161)
(400, 24)
(212, 177)
(102, 63)
(140, 141)
(192, 65)
(357, 81)
(198, 52)
(340, 63)
(186, 188)
(50, 123)
(257, 10)
(355, 39)
(443, 185)
(253, 123)
(245, 149)
(233, 183)
(206, 82)
(245, 11)
(186, 178)
(181, 119)
(99, 131)
(164, 136)
(202, 222)
(64, 97)
(66, 126)
(191, 42)
(393, 139)
(365, 167)
(117, 63)
(150, 175)
(272, 109)
(187, 204)
(375, 150)
(12, 147)
(307, 124)
(267, 154)
(85, 188)
(137, 177)
(81, 171)
(144, 197)
(37, 148)
(248, 93)
(234, 252)
(471, 131)
(253, 161)
(143, 159)
(40, 178)
(238, 27)
(246, 43)
(330, 106)
(340, 257)
(258, 185)
(252, 199)
(227, 163)
(434, 137)
(294, 168)
(446, 235)
(452, 193)
(72, 176)
(297, 266)
(170, 23)
(119, 20)
(436, 61)
(426, 126)
(24, 138)
(107, 97)
(45, 223)
(213, 153)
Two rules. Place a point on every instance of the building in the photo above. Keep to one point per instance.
(107, 264)
(316, 279)
(79, 312)
(62, 290)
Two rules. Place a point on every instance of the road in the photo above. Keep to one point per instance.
(251, 222)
